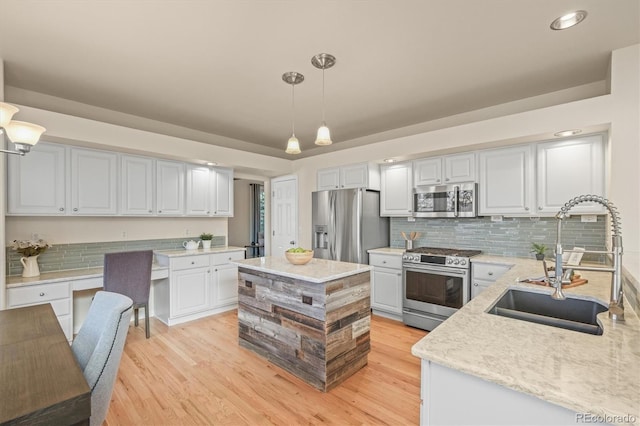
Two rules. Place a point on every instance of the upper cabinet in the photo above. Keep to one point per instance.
(396, 190)
(62, 180)
(36, 182)
(538, 179)
(362, 175)
(445, 170)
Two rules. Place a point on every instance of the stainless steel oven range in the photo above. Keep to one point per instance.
(435, 284)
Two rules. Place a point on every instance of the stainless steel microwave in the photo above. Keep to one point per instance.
(446, 200)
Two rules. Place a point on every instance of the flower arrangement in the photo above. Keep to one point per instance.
(29, 247)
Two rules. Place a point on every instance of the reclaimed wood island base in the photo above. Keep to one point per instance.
(312, 320)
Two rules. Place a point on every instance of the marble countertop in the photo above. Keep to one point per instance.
(581, 372)
(317, 270)
(184, 252)
(388, 250)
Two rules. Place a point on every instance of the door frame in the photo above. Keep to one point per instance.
(271, 208)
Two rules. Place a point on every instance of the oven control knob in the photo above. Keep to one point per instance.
(455, 262)
(449, 261)
(463, 262)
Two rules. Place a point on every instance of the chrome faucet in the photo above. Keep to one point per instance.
(616, 306)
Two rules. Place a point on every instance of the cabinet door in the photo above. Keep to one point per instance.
(328, 179)
(427, 171)
(354, 176)
(197, 203)
(169, 188)
(225, 284)
(478, 286)
(93, 182)
(386, 290)
(136, 185)
(567, 169)
(396, 190)
(36, 182)
(506, 181)
(221, 192)
(460, 168)
(190, 291)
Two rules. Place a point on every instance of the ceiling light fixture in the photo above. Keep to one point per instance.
(323, 61)
(569, 20)
(567, 133)
(293, 78)
(23, 135)
(389, 160)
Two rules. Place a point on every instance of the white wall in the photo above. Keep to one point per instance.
(239, 225)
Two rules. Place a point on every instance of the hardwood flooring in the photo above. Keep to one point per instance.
(196, 373)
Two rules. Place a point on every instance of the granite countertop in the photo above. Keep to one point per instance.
(388, 250)
(184, 252)
(317, 270)
(581, 372)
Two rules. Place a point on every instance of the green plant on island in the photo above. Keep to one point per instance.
(298, 250)
(206, 236)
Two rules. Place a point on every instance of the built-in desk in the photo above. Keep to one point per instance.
(40, 380)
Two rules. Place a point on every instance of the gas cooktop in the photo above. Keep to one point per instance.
(436, 251)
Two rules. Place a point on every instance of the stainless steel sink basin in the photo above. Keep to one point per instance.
(570, 313)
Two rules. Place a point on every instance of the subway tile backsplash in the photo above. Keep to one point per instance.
(511, 237)
(91, 255)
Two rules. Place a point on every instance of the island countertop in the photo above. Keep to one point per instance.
(317, 270)
(581, 372)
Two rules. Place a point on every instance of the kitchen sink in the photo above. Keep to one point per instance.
(570, 313)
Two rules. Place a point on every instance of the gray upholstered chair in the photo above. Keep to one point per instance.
(98, 347)
(129, 273)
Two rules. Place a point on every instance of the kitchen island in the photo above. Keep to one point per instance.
(512, 372)
(312, 320)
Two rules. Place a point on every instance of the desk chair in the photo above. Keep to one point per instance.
(98, 348)
(129, 273)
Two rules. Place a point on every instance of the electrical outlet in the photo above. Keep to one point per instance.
(411, 219)
(588, 218)
(186, 232)
(124, 234)
(496, 218)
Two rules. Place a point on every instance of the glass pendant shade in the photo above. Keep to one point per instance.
(20, 132)
(6, 113)
(293, 146)
(324, 136)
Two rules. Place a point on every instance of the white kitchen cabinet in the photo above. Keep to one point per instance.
(484, 274)
(136, 185)
(448, 169)
(506, 181)
(191, 291)
(197, 202)
(386, 285)
(396, 190)
(361, 175)
(567, 169)
(93, 182)
(169, 188)
(57, 294)
(221, 196)
(225, 278)
(36, 183)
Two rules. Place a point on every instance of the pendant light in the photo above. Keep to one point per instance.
(323, 61)
(293, 78)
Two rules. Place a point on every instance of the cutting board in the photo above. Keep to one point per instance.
(574, 283)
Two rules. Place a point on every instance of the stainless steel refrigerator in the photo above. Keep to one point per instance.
(347, 223)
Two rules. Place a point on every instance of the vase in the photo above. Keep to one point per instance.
(30, 265)
(206, 244)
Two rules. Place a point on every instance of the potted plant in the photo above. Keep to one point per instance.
(206, 240)
(539, 250)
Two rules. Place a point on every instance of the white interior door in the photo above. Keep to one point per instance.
(284, 214)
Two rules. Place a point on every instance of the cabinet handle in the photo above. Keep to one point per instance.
(193, 263)
(61, 209)
(208, 270)
(42, 294)
(159, 211)
(75, 209)
(150, 211)
(490, 273)
(447, 179)
(399, 274)
(229, 257)
(343, 186)
(208, 212)
(216, 270)
(437, 180)
(336, 186)
(526, 208)
(384, 261)
(475, 284)
(539, 208)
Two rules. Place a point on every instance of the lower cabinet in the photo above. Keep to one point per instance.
(485, 274)
(199, 285)
(57, 294)
(386, 285)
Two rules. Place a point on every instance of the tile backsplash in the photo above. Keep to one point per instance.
(91, 255)
(511, 237)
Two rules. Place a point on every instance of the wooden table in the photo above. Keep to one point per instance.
(40, 380)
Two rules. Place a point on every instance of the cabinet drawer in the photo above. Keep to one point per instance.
(385, 261)
(34, 294)
(188, 262)
(488, 271)
(222, 258)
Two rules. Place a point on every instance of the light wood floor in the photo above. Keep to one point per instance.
(196, 373)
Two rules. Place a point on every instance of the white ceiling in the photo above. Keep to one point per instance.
(216, 66)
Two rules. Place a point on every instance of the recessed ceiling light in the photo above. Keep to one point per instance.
(567, 133)
(569, 20)
(389, 160)
(211, 164)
